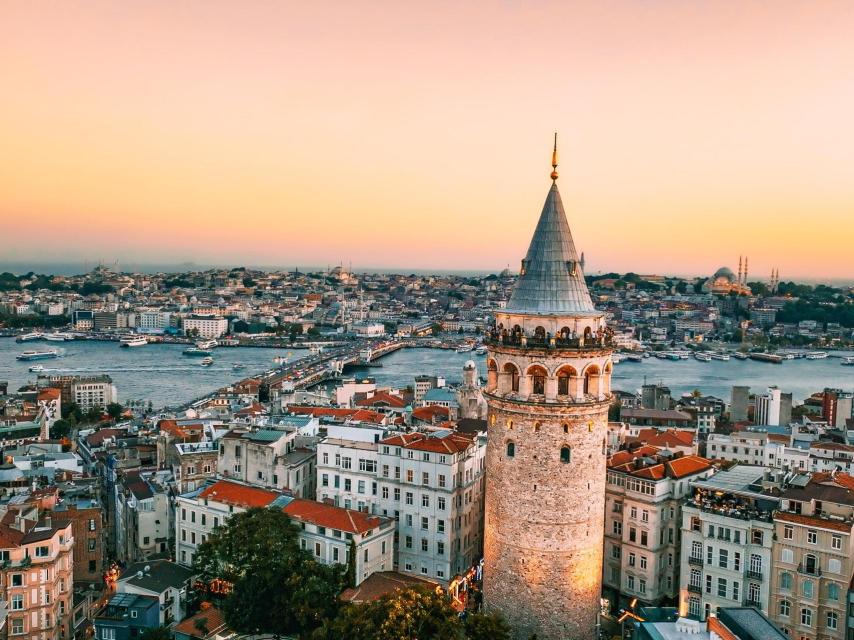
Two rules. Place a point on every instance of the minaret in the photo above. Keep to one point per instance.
(548, 390)
(745, 271)
(739, 270)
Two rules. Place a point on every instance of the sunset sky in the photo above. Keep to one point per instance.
(418, 135)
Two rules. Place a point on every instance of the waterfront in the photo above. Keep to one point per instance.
(156, 372)
(159, 373)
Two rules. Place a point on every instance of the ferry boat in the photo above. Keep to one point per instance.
(196, 352)
(207, 361)
(773, 358)
(634, 357)
(237, 366)
(38, 355)
(207, 345)
(703, 357)
(133, 341)
(673, 355)
(723, 357)
(27, 337)
(57, 336)
(816, 355)
(848, 361)
(36, 368)
(464, 348)
(738, 355)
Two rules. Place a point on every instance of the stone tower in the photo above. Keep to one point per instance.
(548, 389)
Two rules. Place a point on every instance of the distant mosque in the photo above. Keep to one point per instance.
(724, 282)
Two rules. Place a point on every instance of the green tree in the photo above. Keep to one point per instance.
(403, 615)
(276, 587)
(486, 626)
(314, 332)
(157, 633)
(115, 410)
(94, 414)
(72, 412)
(60, 429)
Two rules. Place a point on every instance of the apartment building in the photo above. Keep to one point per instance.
(269, 458)
(727, 534)
(143, 520)
(194, 463)
(813, 556)
(210, 327)
(430, 483)
(644, 492)
(37, 575)
(95, 391)
(744, 447)
(325, 530)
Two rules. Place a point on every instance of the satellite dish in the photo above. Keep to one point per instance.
(147, 568)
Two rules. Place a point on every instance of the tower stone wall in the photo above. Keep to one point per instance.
(548, 390)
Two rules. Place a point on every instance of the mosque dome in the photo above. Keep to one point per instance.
(724, 272)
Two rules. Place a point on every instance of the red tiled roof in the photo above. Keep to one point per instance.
(189, 432)
(97, 438)
(666, 439)
(844, 480)
(363, 415)
(327, 515)
(812, 521)
(211, 618)
(382, 583)
(49, 393)
(239, 495)
(254, 409)
(430, 413)
(450, 443)
(687, 466)
(382, 398)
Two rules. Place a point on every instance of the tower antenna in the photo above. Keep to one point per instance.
(554, 160)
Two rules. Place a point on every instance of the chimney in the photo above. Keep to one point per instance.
(48, 522)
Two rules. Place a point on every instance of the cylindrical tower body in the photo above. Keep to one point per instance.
(548, 390)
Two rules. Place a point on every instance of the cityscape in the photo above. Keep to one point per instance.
(488, 398)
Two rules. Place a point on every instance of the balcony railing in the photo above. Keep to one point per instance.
(695, 588)
(809, 571)
(696, 561)
(755, 575)
(752, 603)
(547, 341)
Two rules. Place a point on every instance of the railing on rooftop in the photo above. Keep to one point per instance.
(602, 339)
(741, 513)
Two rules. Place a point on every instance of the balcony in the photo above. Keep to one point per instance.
(809, 570)
(695, 588)
(755, 575)
(547, 341)
(752, 603)
(695, 560)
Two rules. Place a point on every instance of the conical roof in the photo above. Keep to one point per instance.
(551, 281)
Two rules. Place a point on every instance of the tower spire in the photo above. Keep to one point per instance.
(554, 160)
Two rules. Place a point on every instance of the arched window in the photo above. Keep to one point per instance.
(832, 591)
(810, 565)
(510, 425)
(564, 455)
(511, 369)
(563, 383)
(538, 380)
(566, 428)
(511, 449)
(786, 581)
(540, 334)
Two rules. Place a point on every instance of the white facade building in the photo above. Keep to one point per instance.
(206, 326)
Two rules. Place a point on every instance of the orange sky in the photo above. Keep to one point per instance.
(417, 135)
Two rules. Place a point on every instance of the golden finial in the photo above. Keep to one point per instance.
(554, 160)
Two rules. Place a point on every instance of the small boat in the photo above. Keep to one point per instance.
(206, 362)
(464, 348)
(207, 345)
(237, 366)
(723, 357)
(480, 351)
(196, 352)
(703, 357)
(27, 337)
(616, 358)
(133, 341)
(57, 336)
(738, 355)
(673, 355)
(38, 355)
(36, 368)
(847, 361)
(816, 355)
(634, 357)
